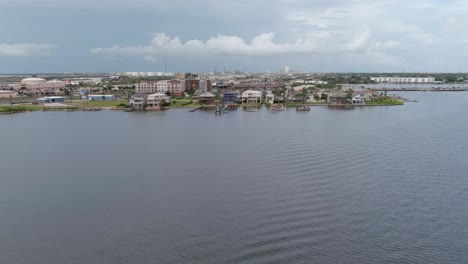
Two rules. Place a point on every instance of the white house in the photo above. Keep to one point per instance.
(358, 99)
(138, 101)
(153, 101)
(252, 96)
(269, 97)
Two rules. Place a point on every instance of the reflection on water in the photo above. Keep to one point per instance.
(369, 185)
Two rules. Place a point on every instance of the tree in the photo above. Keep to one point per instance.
(304, 94)
(277, 92)
(163, 103)
(324, 96)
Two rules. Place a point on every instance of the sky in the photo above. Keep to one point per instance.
(45, 36)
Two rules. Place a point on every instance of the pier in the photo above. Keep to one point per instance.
(195, 109)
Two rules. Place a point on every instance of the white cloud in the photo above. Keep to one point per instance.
(262, 44)
(451, 22)
(342, 18)
(387, 45)
(25, 49)
(359, 42)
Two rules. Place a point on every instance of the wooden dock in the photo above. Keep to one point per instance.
(195, 109)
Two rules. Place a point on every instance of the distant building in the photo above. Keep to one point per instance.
(205, 85)
(123, 87)
(146, 74)
(172, 86)
(403, 79)
(183, 76)
(8, 94)
(192, 85)
(195, 84)
(310, 81)
(39, 84)
(78, 81)
(51, 99)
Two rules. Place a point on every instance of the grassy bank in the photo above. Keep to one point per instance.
(182, 104)
(386, 101)
(243, 105)
(308, 103)
(116, 103)
(60, 108)
(18, 108)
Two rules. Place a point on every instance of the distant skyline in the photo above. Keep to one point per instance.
(246, 35)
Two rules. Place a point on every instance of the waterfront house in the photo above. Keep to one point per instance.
(358, 99)
(339, 99)
(230, 98)
(269, 97)
(138, 101)
(252, 97)
(206, 98)
(278, 99)
(156, 101)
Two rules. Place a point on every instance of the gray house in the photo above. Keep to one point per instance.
(138, 101)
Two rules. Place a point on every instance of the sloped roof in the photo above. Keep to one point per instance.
(206, 94)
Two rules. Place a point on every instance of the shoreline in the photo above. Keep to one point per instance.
(33, 108)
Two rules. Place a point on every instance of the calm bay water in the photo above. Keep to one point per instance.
(371, 185)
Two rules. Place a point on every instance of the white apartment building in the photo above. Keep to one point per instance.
(171, 86)
(403, 79)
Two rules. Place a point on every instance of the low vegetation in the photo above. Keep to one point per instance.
(250, 104)
(114, 103)
(385, 101)
(183, 103)
(18, 108)
(122, 105)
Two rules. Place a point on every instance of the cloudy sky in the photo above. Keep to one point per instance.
(247, 35)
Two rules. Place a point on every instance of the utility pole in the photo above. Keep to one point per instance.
(165, 64)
